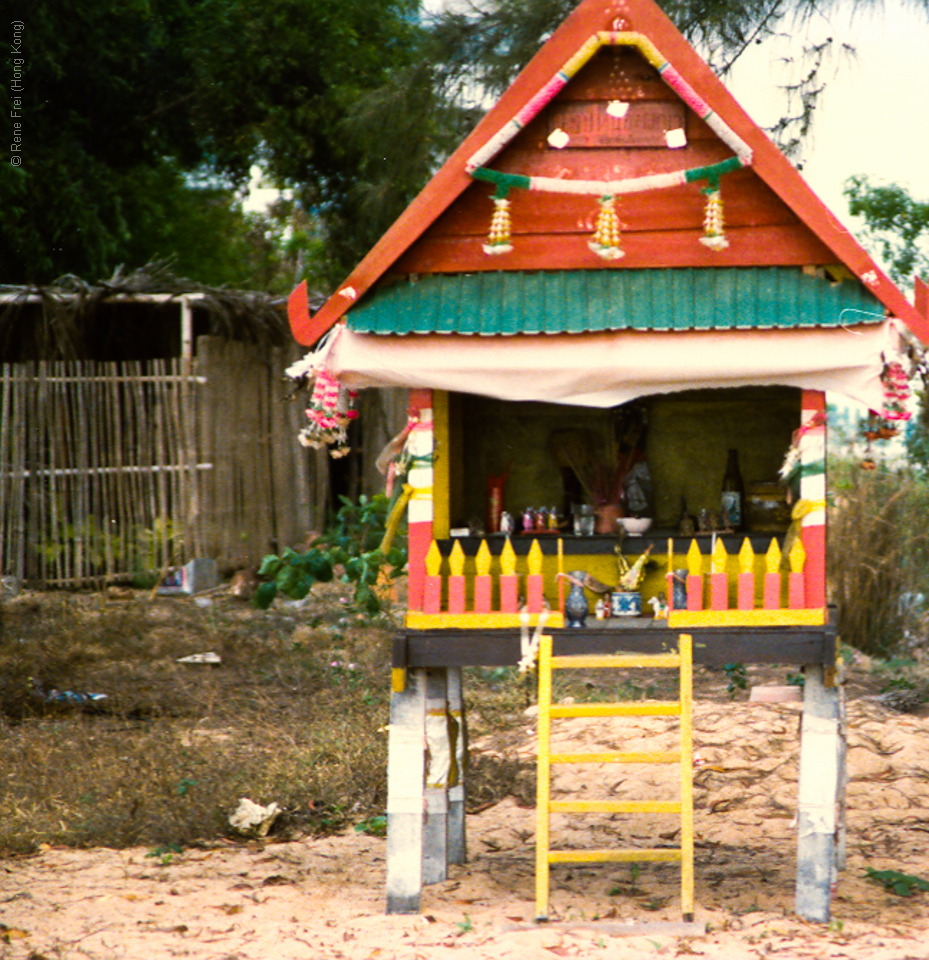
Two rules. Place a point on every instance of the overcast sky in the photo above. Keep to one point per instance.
(875, 115)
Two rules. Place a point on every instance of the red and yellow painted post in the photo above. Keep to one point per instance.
(719, 577)
(420, 445)
(810, 510)
(483, 583)
(745, 591)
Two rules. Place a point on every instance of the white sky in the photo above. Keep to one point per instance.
(875, 114)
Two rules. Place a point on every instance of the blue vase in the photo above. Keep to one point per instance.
(576, 606)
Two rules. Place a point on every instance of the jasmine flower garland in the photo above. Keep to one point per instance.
(331, 409)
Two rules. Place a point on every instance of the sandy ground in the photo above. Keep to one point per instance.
(324, 898)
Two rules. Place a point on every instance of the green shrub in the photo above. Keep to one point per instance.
(350, 549)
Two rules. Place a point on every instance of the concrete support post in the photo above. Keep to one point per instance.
(820, 753)
(405, 799)
(458, 734)
(841, 856)
(438, 771)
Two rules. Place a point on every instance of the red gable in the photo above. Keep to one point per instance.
(615, 104)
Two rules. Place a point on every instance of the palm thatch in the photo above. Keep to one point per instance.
(62, 321)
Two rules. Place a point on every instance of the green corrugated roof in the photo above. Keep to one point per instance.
(579, 301)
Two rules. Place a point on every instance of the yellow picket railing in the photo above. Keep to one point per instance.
(717, 598)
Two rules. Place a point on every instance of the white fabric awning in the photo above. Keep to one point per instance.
(606, 369)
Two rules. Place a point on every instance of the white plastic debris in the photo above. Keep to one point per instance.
(201, 658)
(10, 587)
(252, 819)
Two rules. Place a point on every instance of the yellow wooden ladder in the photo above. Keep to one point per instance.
(545, 807)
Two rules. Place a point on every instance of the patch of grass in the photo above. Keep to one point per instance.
(295, 713)
(165, 757)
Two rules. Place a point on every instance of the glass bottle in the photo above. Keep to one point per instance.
(733, 496)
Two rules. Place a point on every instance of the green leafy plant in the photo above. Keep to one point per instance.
(737, 677)
(165, 854)
(901, 884)
(373, 826)
(184, 786)
(350, 549)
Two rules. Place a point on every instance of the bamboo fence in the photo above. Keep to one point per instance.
(115, 471)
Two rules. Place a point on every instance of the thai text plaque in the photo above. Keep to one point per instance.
(644, 125)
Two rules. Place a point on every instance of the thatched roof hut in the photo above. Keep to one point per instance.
(131, 316)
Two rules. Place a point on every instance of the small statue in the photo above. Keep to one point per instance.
(659, 605)
(631, 577)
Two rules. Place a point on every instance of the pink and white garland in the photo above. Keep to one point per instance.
(331, 409)
(896, 392)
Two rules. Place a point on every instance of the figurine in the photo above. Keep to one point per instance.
(659, 605)
(631, 577)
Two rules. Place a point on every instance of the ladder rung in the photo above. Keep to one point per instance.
(644, 855)
(546, 808)
(653, 756)
(614, 806)
(613, 661)
(641, 708)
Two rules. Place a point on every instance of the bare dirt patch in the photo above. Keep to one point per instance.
(304, 894)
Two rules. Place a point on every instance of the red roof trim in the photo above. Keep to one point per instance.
(591, 16)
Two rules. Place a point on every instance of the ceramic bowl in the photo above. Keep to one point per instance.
(635, 526)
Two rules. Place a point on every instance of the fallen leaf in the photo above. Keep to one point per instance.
(275, 880)
(230, 909)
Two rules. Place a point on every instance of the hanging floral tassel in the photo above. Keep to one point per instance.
(605, 242)
(498, 241)
(331, 409)
(896, 392)
(714, 235)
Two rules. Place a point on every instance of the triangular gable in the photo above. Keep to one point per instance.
(642, 26)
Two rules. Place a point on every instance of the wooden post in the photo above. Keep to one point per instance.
(405, 787)
(746, 588)
(796, 585)
(456, 579)
(772, 577)
(483, 585)
(438, 772)
(509, 582)
(458, 731)
(694, 577)
(432, 582)
(818, 795)
(534, 598)
(719, 577)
